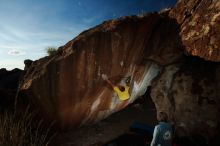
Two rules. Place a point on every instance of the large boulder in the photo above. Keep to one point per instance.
(189, 91)
(67, 86)
(200, 27)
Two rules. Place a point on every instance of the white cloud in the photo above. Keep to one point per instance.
(16, 52)
(11, 64)
(26, 30)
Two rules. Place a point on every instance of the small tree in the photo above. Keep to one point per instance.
(51, 50)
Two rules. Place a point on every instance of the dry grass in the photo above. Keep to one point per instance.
(20, 131)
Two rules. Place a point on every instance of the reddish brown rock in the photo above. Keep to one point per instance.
(68, 87)
(200, 27)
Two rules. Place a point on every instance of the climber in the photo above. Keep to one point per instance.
(163, 133)
(122, 90)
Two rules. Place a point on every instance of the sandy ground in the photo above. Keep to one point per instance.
(108, 129)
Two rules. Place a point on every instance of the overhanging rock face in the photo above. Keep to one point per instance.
(68, 87)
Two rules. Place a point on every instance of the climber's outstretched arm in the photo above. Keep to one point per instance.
(110, 83)
(104, 77)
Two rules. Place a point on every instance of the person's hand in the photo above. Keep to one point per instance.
(104, 77)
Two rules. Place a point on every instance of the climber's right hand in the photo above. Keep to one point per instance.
(104, 77)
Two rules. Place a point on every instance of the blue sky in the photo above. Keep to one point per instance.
(27, 27)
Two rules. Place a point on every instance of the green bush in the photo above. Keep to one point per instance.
(51, 50)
